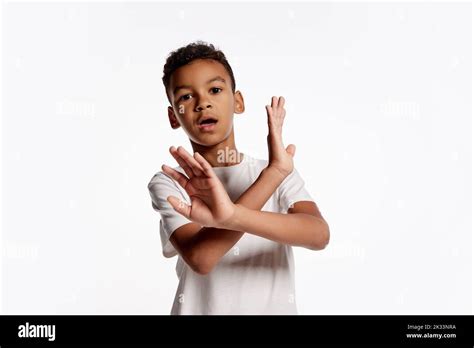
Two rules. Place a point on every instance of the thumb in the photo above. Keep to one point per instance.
(180, 206)
(291, 149)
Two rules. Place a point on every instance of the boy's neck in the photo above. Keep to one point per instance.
(224, 154)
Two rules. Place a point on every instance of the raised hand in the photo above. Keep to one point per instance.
(279, 158)
(210, 206)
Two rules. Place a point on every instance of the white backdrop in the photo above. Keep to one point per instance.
(378, 104)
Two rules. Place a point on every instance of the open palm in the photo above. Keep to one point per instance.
(279, 157)
(210, 205)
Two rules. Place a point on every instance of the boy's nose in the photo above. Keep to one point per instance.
(202, 104)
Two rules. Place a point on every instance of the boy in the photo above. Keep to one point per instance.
(230, 218)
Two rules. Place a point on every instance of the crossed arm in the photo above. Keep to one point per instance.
(218, 223)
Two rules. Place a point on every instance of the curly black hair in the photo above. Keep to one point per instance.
(186, 54)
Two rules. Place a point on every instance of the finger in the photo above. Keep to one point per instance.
(291, 149)
(274, 102)
(281, 102)
(180, 206)
(269, 116)
(182, 156)
(191, 162)
(179, 177)
(182, 163)
(280, 108)
(269, 111)
(207, 169)
(276, 108)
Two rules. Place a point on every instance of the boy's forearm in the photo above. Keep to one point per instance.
(261, 190)
(210, 244)
(294, 229)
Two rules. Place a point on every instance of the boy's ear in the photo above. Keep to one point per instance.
(239, 106)
(172, 117)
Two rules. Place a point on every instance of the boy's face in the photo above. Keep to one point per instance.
(202, 90)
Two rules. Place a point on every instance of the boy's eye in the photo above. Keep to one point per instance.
(189, 96)
(185, 97)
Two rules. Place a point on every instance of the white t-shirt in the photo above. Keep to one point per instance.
(256, 276)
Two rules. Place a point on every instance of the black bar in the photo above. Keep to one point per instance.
(316, 331)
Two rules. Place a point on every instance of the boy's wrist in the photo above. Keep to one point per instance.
(269, 180)
(275, 172)
(234, 222)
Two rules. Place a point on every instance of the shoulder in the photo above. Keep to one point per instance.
(293, 177)
(158, 178)
(162, 179)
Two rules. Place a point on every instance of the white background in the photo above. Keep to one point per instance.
(378, 105)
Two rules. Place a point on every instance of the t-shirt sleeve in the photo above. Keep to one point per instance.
(160, 187)
(292, 190)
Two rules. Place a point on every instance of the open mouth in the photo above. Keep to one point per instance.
(207, 124)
